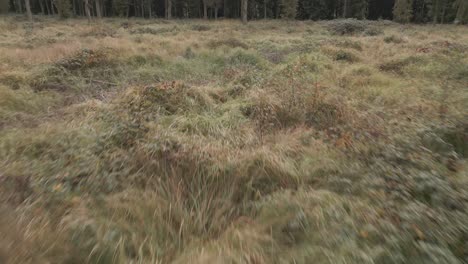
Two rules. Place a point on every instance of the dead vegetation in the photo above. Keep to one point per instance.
(336, 142)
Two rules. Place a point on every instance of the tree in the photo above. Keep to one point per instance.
(345, 8)
(244, 5)
(4, 6)
(63, 8)
(87, 11)
(403, 11)
(462, 11)
(205, 9)
(19, 8)
(98, 8)
(358, 8)
(168, 9)
(28, 10)
(288, 9)
(435, 10)
(314, 9)
(119, 7)
(420, 11)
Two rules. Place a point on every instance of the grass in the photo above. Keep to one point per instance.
(150, 141)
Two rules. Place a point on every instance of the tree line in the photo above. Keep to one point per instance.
(405, 11)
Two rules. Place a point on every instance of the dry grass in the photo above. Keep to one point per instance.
(138, 141)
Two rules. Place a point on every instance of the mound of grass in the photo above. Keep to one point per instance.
(166, 98)
(350, 44)
(393, 39)
(200, 27)
(346, 56)
(154, 31)
(398, 65)
(231, 43)
(84, 59)
(346, 26)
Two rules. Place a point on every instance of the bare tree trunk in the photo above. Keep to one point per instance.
(442, 18)
(169, 9)
(216, 12)
(205, 10)
(47, 7)
(52, 7)
(59, 11)
(80, 8)
(345, 8)
(128, 9)
(149, 9)
(28, 10)
(74, 7)
(20, 6)
(225, 9)
(42, 7)
(244, 5)
(142, 9)
(98, 9)
(436, 11)
(87, 11)
(462, 5)
(135, 10)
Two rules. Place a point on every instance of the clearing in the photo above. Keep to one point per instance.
(138, 141)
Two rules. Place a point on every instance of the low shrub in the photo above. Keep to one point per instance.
(164, 98)
(393, 39)
(373, 31)
(346, 56)
(398, 65)
(154, 31)
(199, 27)
(241, 57)
(84, 59)
(230, 42)
(350, 44)
(346, 26)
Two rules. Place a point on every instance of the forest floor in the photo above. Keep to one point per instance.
(190, 141)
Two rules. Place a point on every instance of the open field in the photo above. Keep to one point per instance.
(188, 141)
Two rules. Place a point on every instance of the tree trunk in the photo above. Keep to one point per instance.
(28, 10)
(52, 7)
(87, 11)
(20, 6)
(42, 7)
(442, 18)
(436, 11)
(98, 9)
(168, 9)
(216, 12)
(244, 10)
(462, 5)
(205, 10)
(47, 7)
(225, 12)
(135, 10)
(59, 11)
(149, 9)
(265, 9)
(345, 8)
(128, 9)
(142, 9)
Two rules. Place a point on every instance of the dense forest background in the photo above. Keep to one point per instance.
(416, 11)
